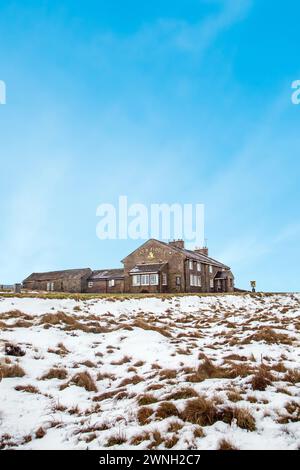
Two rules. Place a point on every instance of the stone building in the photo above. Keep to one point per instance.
(71, 280)
(106, 281)
(169, 267)
(154, 267)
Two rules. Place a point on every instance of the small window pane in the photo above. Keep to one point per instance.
(145, 280)
(153, 279)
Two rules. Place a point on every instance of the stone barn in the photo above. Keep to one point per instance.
(70, 280)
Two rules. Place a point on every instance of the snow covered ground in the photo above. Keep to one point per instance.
(181, 372)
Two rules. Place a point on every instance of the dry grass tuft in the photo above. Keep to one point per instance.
(131, 380)
(166, 409)
(40, 433)
(243, 417)
(262, 379)
(146, 326)
(55, 373)
(144, 414)
(27, 388)
(170, 442)
(201, 411)
(146, 399)
(225, 444)
(174, 426)
(184, 393)
(292, 376)
(83, 379)
(167, 374)
(116, 440)
(269, 336)
(7, 371)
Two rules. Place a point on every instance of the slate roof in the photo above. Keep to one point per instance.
(66, 274)
(189, 254)
(147, 268)
(106, 274)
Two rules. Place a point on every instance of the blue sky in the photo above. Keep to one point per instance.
(162, 101)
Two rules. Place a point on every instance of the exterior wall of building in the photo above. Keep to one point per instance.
(60, 284)
(154, 252)
(102, 287)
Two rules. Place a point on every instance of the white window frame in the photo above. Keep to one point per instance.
(164, 279)
(199, 267)
(90, 284)
(136, 280)
(191, 264)
(153, 279)
(145, 280)
(178, 281)
(211, 283)
(210, 269)
(111, 283)
(199, 284)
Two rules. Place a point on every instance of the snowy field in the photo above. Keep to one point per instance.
(181, 372)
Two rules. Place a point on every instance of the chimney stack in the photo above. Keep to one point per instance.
(202, 251)
(177, 243)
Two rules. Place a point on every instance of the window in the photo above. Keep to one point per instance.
(90, 285)
(164, 279)
(50, 286)
(199, 267)
(191, 264)
(195, 281)
(136, 280)
(210, 269)
(178, 281)
(153, 279)
(111, 283)
(211, 282)
(145, 279)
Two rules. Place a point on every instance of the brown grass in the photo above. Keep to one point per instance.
(262, 379)
(116, 440)
(155, 387)
(11, 371)
(234, 395)
(27, 388)
(144, 414)
(225, 444)
(174, 426)
(292, 376)
(201, 411)
(139, 438)
(131, 380)
(184, 393)
(146, 399)
(269, 336)
(198, 432)
(157, 440)
(243, 417)
(55, 373)
(40, 433)
(146, 326)
(171, 441)
(83, 379)
(124, 360)
(168, 374)
(166, 409)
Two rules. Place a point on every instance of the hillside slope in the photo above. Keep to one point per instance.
(182, 372)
